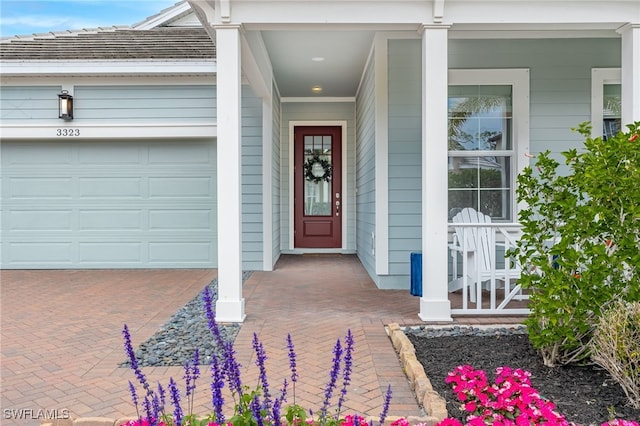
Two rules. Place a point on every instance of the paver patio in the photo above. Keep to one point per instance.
(61, 334)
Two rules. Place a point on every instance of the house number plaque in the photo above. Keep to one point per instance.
(67, 132)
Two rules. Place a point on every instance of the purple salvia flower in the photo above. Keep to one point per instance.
(385, 406)
(134, 397)
(192, 372)
(187, 378)
(255, 409)
(217, 383)
(147, 410)
(292, 365)
(348, 366)
(133, 361)
(162, 394)
(261, 357)
(333, 377)
(277, 404)
(174, 394)
(207, 298)
(232, 369)
(292, 359)
(155, 404)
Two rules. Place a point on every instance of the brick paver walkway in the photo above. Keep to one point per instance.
(61, 334)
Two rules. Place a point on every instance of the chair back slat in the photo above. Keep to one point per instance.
(479, 239)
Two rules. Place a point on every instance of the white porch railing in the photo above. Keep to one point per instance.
(488, 280)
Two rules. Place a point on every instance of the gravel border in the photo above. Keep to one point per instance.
(433, 331)
(175, 342)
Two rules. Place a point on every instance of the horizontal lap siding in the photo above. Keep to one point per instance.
(252, 211)
(560, 99)
(560, 80)
(19, 103)
(365, 170)
(276, 179)
(405, 184)
(153, 103)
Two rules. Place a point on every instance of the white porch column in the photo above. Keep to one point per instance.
(230, 303)
(434, 303)
(630, 73)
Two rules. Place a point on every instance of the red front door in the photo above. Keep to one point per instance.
(318, 186)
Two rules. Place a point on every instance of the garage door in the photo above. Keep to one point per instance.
(88, 204)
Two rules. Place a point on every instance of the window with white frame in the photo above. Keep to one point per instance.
(606, 102)
(488, 132)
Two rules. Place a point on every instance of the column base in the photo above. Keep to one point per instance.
(230, 311)
(435, 310)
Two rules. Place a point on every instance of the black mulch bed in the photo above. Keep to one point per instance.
(584, 394)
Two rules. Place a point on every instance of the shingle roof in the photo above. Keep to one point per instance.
(161, 43)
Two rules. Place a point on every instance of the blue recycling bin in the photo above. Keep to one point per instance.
(416, 274)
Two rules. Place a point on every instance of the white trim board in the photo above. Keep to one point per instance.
(600, 77)
(69, 130)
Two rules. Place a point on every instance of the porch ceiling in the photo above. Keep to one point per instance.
(332, 60)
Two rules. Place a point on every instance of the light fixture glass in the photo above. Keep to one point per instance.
(65, 106)
(317, 59)
(316, 89)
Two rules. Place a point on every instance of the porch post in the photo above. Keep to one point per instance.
(434, 303)
(230, 303)
(630, 73)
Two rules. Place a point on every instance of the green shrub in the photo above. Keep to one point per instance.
(616, 347)
(580, 247)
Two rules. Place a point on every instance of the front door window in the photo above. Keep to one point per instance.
(318, 171)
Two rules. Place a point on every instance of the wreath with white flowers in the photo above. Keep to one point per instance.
(317, 170)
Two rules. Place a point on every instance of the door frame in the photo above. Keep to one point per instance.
(344, 192)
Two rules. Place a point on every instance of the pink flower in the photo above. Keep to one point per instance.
(449, 422)
(620, 422)
(400, 422)
(470, 406)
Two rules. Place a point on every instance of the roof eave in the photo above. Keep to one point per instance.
(111, 67)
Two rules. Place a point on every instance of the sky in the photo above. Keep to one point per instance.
(24, 17)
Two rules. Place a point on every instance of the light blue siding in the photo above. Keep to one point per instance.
(276, 178)
(183, 103)
(365, 170)
(560, 99)
(148, 103)
(560, 79)
(19, 103)
(405, 135)
(252, 212)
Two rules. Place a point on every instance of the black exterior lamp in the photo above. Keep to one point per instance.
(65, 106)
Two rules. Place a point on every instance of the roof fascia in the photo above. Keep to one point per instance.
(354, 12)
(163, 17)
(65, 68)
(111, 80)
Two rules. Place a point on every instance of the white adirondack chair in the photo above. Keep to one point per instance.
(477, 247)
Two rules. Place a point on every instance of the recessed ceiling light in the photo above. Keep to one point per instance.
(317, 59)
(316, 89)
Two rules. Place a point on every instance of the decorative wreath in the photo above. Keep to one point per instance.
(317, 170)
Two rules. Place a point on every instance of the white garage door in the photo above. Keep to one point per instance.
(88, 204)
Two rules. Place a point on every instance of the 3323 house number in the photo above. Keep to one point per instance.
(67, 132)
